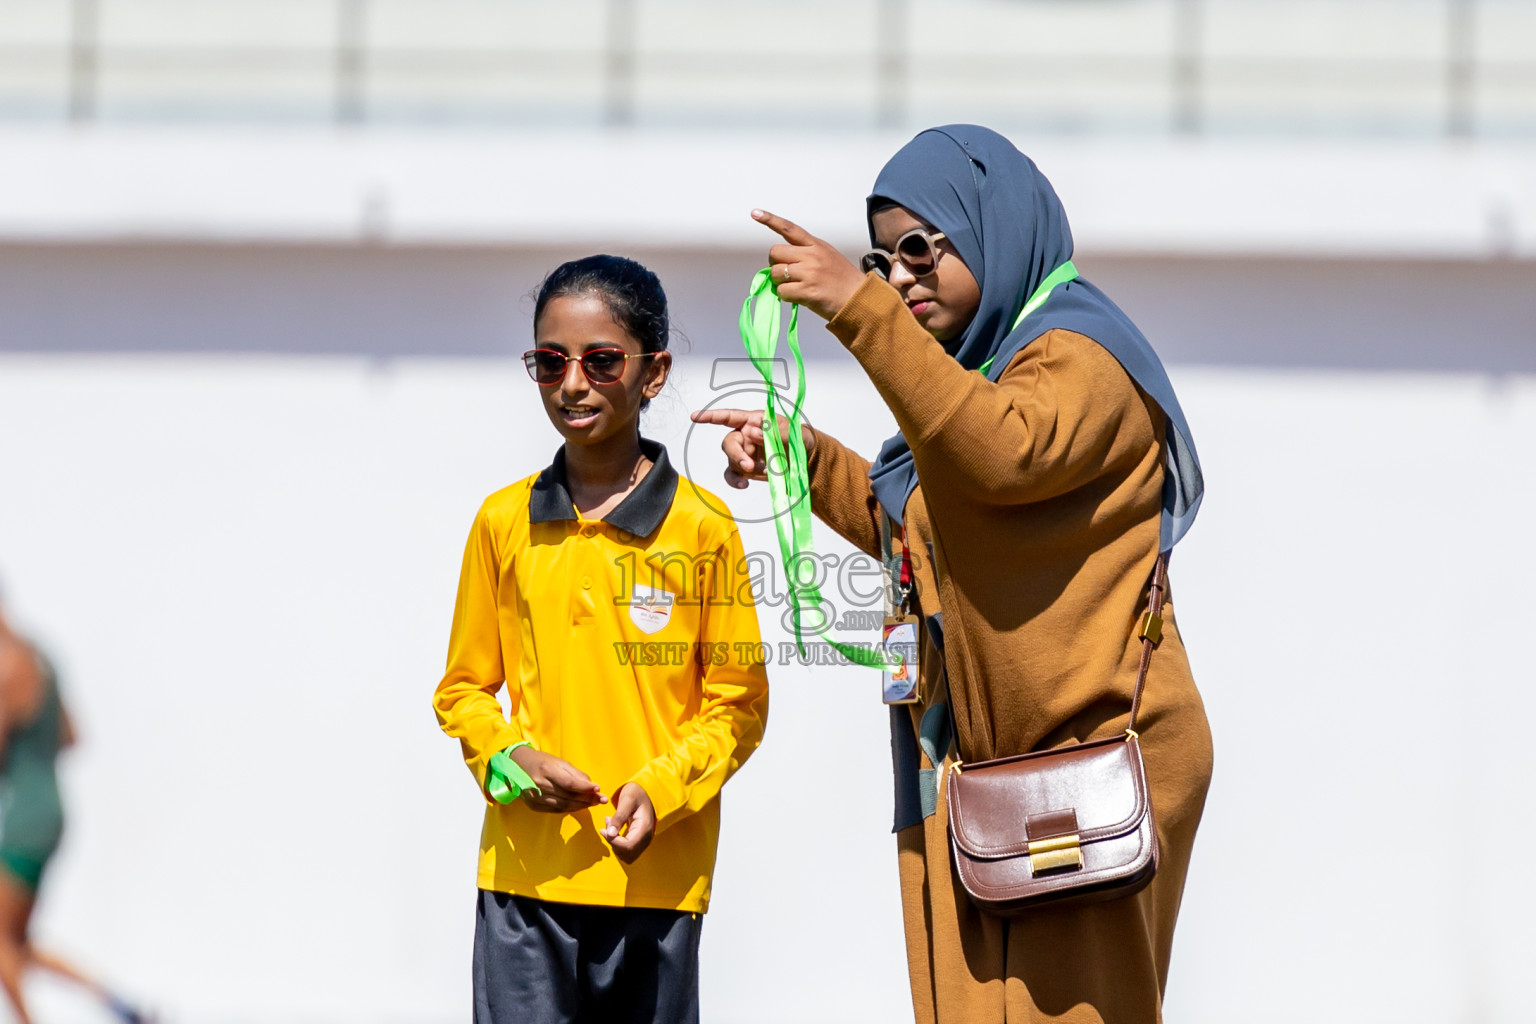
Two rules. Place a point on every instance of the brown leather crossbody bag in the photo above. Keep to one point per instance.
(1068, 825)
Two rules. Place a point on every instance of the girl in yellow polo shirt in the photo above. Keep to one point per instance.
(608, 595)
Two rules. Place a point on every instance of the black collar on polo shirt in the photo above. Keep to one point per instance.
(641, 511)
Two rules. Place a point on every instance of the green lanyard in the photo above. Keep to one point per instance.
(1061, 275)
(789, 482)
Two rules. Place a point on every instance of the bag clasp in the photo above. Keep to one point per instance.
(1059, 853)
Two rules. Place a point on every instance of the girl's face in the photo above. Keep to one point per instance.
(583, 412)
(943, 301)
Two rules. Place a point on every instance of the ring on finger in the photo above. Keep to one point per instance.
(786, 273)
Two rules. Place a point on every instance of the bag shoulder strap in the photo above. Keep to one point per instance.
(1151, 631)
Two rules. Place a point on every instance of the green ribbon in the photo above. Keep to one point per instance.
(1061, 275)
(789, 481)
(505, 779)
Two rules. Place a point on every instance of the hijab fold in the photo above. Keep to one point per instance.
(1003, 218)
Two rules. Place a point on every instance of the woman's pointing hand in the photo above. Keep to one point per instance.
(807, 270)
(744, 446)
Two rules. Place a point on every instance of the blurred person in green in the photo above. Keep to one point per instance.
(34, 728)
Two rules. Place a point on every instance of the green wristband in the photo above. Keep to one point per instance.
(505, 779)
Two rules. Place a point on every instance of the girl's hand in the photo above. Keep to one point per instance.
(565, 788)
(634, 817)
(745, 447)
(808, 271)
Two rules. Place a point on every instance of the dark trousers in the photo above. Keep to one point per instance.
(538, 962)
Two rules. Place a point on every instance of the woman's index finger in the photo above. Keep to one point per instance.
(733, 418)
(788, 230)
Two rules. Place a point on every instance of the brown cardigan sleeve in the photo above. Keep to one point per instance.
(840, 493)
(1048, 425)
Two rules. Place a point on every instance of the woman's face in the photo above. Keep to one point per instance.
(943, 301)
(583, 412)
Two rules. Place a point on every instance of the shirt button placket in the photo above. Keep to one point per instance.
(584, 606)
(590, 532)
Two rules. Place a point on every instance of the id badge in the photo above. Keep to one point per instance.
(898, 638)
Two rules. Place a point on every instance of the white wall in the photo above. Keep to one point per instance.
(245, 564)
(1243, 197)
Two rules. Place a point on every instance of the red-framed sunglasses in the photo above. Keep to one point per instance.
(601, 365)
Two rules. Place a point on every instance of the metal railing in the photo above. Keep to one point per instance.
(883, 79)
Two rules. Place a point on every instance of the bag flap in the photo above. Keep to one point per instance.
(1102, 783)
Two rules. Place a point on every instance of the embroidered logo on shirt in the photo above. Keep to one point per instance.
(651, 609)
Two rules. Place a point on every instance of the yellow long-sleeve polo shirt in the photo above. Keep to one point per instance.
(628, 647)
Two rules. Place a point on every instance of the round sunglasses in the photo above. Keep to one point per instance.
(601, 365)
(917, 250)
